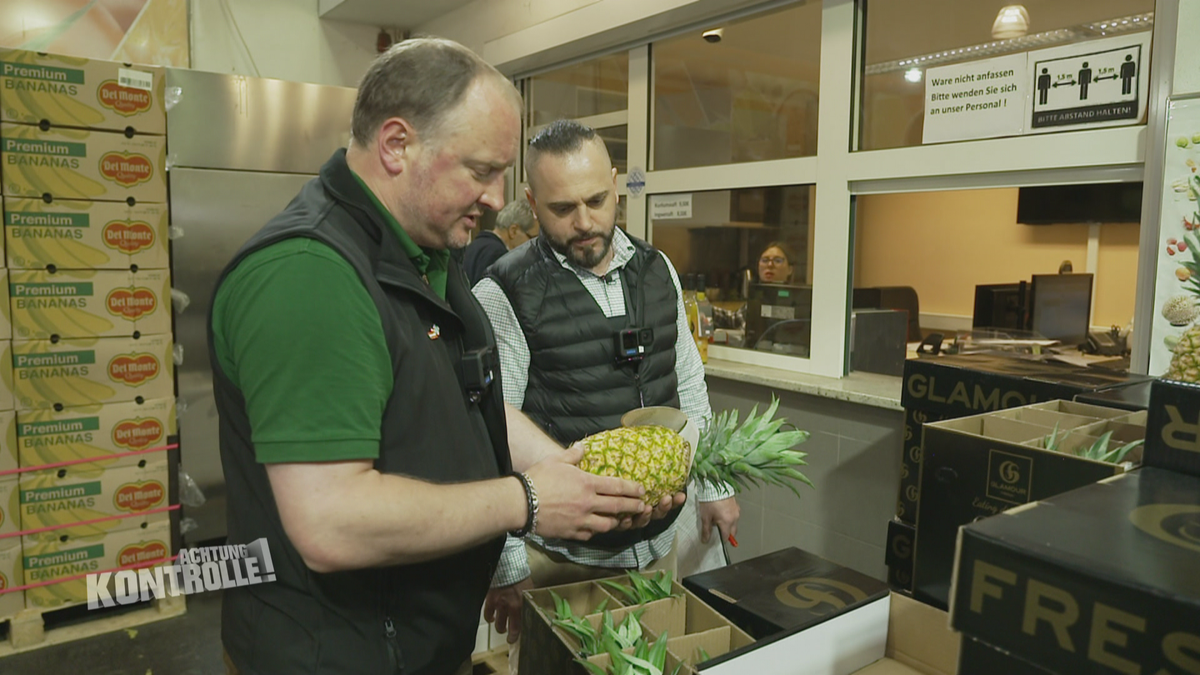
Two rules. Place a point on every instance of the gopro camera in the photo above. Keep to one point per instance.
(478, 371)
(631, 344)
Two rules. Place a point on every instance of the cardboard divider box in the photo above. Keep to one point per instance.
(784, 590)
(11, 576)
(76, 92)
(919, 641)
(947, 387)
(1173, 427)
(100, 431)
(1105, 578)
(545, 648)
(975, 467)
(87, 303)
(78, 164)
(76, 234)
(59, 554)
(81, 492)
(81, 372)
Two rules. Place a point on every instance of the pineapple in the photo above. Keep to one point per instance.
(751, 454)
(652, 455)
(1185, 362)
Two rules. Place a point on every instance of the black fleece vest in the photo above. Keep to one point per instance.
(413, 619)
(576, 387)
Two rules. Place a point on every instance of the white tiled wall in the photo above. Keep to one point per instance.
(853, 459)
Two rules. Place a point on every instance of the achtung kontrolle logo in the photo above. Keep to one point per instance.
(208, 568)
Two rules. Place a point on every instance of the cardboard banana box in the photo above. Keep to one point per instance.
(83, 492)
(10, 518)
(7, 400)
(99, 431)
(75, 92)
(80, 372)
(75, 234)
(84, 303)
(8, 445)
(11, 576)
(47, 557)
(80, 164)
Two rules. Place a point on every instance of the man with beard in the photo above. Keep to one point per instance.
(558, 304)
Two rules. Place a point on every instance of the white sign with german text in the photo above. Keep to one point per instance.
(980, 99)
(1098, 83)
(671, 207)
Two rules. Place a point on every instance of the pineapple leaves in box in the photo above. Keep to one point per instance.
(641, 590)
(757, 452)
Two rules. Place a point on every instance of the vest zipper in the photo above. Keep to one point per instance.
(389, 630)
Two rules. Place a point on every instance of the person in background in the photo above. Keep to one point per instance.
(353, 439)
(775, 263)
(512, 226)
(556, 305)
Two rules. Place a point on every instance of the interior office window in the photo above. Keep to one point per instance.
(906, 37)
(750, 252)
(740, 91)
(595, 92)
(992, 263)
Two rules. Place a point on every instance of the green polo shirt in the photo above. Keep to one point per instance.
(296, 331)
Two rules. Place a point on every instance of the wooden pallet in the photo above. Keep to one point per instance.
(28, 629)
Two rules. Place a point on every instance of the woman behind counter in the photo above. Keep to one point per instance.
(775, 263)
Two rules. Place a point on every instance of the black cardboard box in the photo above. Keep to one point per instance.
(1103, 579)
(1173, 427)
(899, 555)
(977, 466)
(781, 591)
(979, 658)
(946, 387)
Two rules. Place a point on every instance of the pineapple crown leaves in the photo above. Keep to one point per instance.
(646, 659)
(640, 589)
(1099, 450)
(757, 452)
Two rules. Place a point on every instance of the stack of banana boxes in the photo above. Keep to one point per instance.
(87, 286)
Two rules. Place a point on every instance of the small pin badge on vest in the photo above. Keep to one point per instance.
(435, 332)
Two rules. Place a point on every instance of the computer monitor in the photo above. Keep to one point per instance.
(783, 310)
(1002, 306)
(1062, 306)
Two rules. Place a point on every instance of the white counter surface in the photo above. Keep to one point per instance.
(881, 391)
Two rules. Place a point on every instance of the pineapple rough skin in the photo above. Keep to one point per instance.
(1185, 360)
(651, 455)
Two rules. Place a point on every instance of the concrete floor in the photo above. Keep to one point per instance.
(185, 645)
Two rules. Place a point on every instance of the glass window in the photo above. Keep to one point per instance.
(750, 250)
(904, 37)
(738, 92)
(977, 247)
(595, 92)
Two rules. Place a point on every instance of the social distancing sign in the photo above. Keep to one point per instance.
(1091, 84)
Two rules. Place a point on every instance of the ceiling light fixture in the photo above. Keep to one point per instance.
(1011, 22)
(913, 74)
(713, 36)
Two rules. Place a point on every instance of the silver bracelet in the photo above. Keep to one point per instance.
(531, 503)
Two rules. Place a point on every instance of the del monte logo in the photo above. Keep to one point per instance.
(133, 369)
(126, 168)
(131, 303)
(137, 434)
(140, 554)
(139, 496)
(128, 237)
(123, 100)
